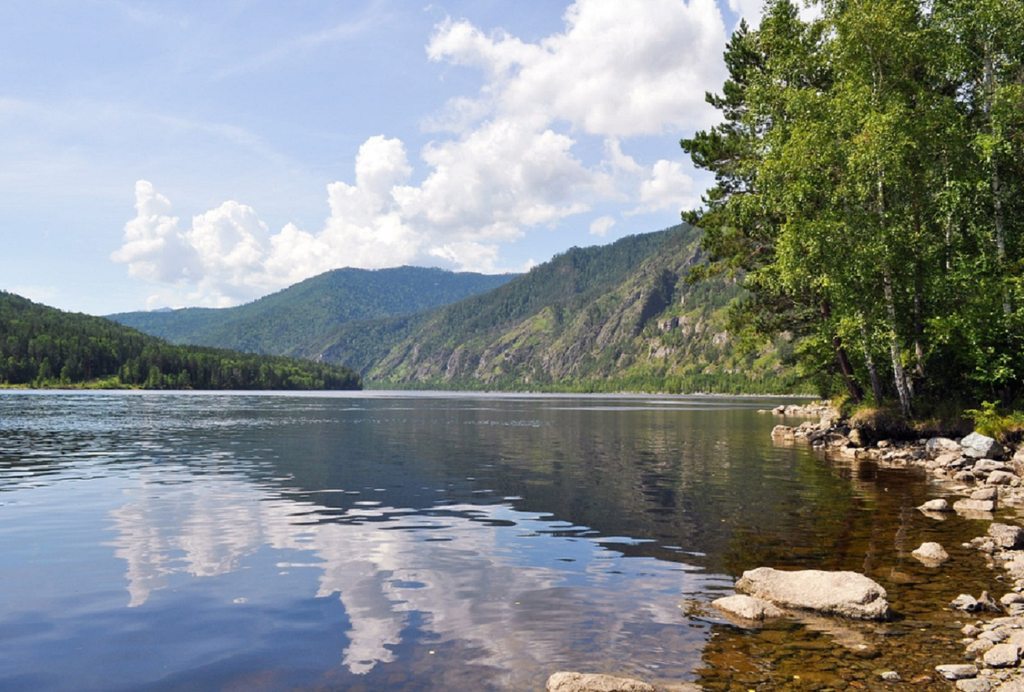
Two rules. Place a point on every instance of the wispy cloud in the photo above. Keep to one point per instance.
(305, 44)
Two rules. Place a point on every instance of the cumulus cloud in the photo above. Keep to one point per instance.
(667, 188)
(620, 68)
(507, 159)
(601, 226)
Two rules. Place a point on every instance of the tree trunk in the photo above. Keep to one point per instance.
(903, 388)
(876, 382)
(845, 368)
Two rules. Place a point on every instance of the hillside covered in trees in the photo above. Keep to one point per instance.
(297, 320)
(616, 317)
(45, 347)
(870, 190)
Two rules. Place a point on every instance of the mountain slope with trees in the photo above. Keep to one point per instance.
(296, 320)
(870, 189)
(44, 347)
(621, 316)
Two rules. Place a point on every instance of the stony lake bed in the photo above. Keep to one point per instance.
(382, 541)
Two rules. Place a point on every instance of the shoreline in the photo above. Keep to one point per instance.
(988, 478)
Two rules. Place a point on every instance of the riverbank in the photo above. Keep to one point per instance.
(987, 480)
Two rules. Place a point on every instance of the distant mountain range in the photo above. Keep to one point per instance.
(296, 320)
(615, 317)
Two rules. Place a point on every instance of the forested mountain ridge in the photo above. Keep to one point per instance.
(621, 316)
(45, 347)
(297, 320)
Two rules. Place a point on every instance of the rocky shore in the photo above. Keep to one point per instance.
(986, 476)
(980, 476)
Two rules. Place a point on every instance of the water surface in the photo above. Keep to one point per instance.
(180, 541)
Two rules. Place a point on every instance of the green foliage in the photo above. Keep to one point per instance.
(45, 347)
(870, 190)
(990, 420)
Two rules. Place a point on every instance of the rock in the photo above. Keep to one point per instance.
(891, 676)
(978, 648)
(978, 446)
(985, 494)
(1001, 478)
(1002, 656)
(1015, 567)
(974, 685)
(937, 505)
(585, 682)
(988, 604)
(848, 594)
(1012, 685)
(971, 604)
(964, 602)
(984, 467)
(1007, 536)
(974, 506)
(931, 554)
(747, 607)
(957, 672)
(938, 446)
(783, 432)
(950, 460)
(1011, 598)
(857, 438)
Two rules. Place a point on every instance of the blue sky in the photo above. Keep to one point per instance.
(180, 153)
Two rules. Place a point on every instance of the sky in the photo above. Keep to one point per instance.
(181, 153)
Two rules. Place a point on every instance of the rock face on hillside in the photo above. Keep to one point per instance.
(594, 314)
(847, 594)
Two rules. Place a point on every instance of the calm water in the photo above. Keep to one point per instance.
(408, 542)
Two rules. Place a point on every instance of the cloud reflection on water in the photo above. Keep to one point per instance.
(511, 584)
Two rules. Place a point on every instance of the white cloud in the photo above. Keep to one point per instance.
(749, 10)
(601, 226)
(668, 188)
(154, 249)
(508, 160)
(620, 68)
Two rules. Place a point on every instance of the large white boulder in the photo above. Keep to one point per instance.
(847, 594)
(978, 446)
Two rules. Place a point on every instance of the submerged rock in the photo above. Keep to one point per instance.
(847, 594)
(747, 607)
(587, 682)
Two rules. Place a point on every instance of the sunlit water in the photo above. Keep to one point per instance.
(366, 541)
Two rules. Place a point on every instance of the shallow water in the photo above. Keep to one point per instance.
(382, 541)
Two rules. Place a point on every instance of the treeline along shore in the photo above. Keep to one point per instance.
(46, 347)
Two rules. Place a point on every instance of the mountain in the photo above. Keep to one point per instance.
(46, 347)
(297, 320)
(615, 317)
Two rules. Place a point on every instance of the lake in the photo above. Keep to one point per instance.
(399, 541)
